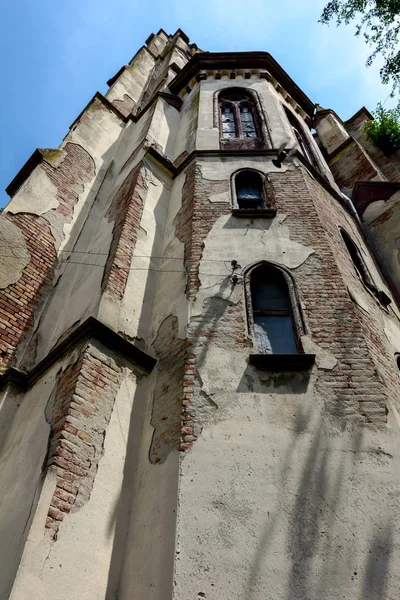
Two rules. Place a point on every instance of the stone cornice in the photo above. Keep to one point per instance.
(91, 329)
(241, 60)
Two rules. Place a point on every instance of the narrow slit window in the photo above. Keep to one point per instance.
(301, 138)
(358, 261)
(272, 317)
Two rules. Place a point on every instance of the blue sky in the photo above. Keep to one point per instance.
(57, 53)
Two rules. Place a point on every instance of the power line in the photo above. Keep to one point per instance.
(122, 255)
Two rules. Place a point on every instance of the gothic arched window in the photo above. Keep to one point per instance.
(274, 317)
(301, 138)
(238, 119)
(358, 261)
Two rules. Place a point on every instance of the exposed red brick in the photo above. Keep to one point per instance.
(77, 437)
(20, 300)
(126, 209)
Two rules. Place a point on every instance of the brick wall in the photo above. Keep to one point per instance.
(19, 301)
(220, 319)
(79, 413)
(126, 209)
(358, 386)
(390, 166)
(352, 164)
(124, 105)
(354, 386)
(196, 218)
(168, 392)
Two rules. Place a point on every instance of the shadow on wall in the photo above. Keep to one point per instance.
(13, 406)
(326, 551)
(144, 525)
(264, 223)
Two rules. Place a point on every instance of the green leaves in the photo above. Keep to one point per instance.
(384, 130)
(379, 23)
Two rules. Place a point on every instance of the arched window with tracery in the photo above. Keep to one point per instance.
(239, 121)
(301, 138)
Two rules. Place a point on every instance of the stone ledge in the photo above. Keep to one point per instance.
(282, 362)
(254, 212)
(92, 328)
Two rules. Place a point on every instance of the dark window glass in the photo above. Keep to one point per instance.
(301, 138)
(228, 122)
(249, 190)
(358, 261)
(273, 323)
(237, 115)
(247, 119)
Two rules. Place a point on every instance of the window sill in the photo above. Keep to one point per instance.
(254, 212)
(282, 362)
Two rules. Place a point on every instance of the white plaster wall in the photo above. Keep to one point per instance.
(133, 80)
(77, 564)
(97, 132)
(148, 554)
(79, 278)
(134, 315)
(14, 254)
(185, 139)
(164, 125)
(236, 239)
(169, 296)
(277, 503)
(382, 220)
(277, 499)
(331, 133)
(23, 447)
(37, 195)
(274, 115)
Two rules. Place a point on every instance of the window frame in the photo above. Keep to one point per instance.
(301, 137)
(363, 273)
(293, 301)
(268, 208)
(240, 142)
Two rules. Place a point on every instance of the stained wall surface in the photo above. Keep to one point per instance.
(162, 462)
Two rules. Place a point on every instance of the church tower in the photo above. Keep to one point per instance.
(199, 328)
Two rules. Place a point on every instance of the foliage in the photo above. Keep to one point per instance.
(379, 23)
(384, 130)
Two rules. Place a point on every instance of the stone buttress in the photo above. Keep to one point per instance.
(154, 444)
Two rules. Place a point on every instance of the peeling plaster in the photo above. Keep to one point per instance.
(37, 195)
(357, 298)
(221, 169)
(324, 360)
(235, 239)
(15, 255)
(223, 197)
(392, 332)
